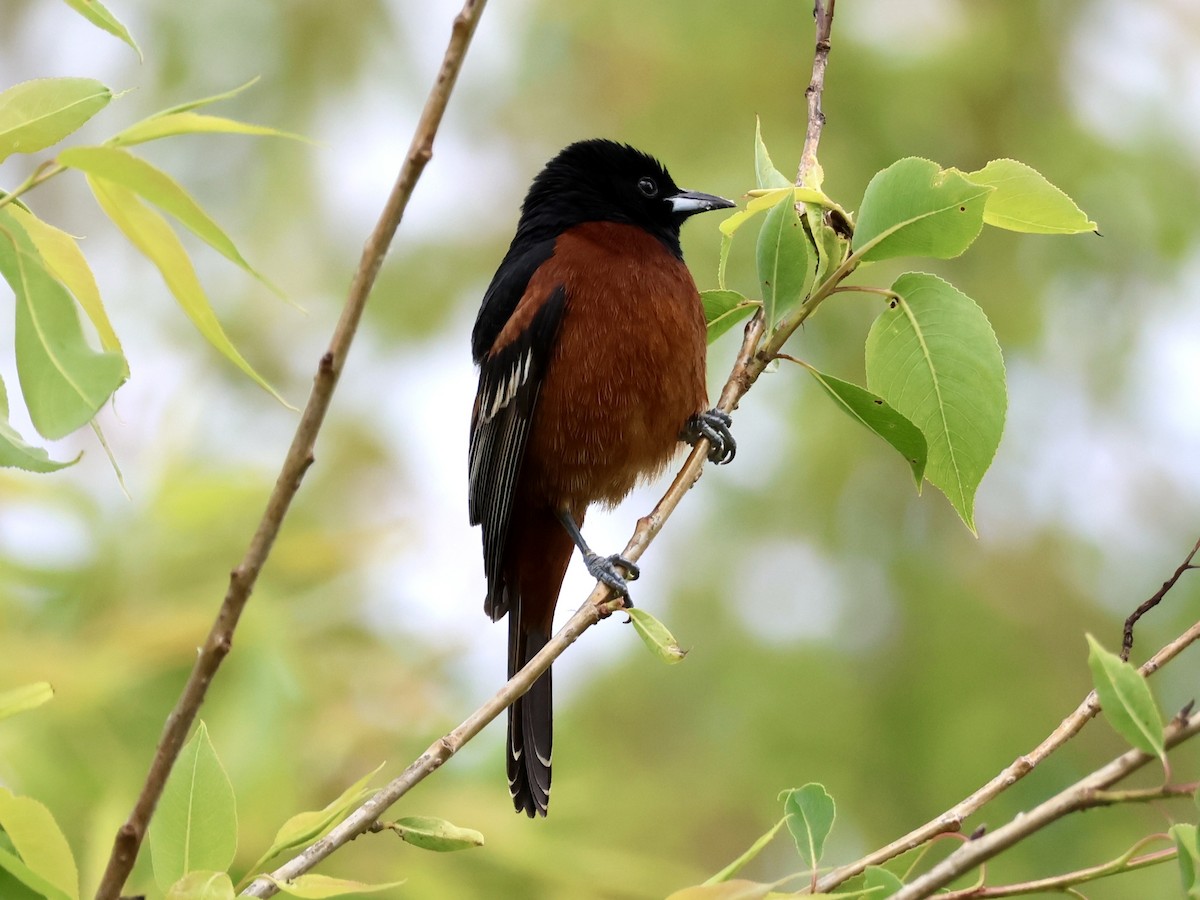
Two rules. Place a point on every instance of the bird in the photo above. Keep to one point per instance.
(590, 342)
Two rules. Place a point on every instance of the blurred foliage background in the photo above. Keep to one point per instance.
(843, 629)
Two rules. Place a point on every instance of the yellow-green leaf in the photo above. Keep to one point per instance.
(39, 842)
(724, 309)
(316, 887)
(1126, 699)
(64, 380)
(15, 453)
(172, 124)
(96, 13)
(37, 114)
(66, 262)
(120, 167)
(655, 635)
(765, 173)
(738, 889)
(1023, 200)
(150, 233)
(28, 696)
(430, 833)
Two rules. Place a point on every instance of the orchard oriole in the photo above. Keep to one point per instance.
(591, 344)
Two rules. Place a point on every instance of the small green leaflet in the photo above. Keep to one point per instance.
(26, 697)
(317, 887)
(810, 812)
(1023, 200)
(916, 208)
(64, 381)
(655, 635)
(172, 124)
(756, 848)
(874, 412)
(1126, 700)
(724, 309)
(430, 833)
(96, 13)
(17, 454)
(40, 843)
(1187, 846)
(37, 114)
(195, 826)
(933, 356)
(765, 173)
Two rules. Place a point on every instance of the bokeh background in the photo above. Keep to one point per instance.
(842, 629)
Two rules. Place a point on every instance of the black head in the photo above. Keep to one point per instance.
(603, 181)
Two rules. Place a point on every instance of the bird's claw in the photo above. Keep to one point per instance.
(714, 427)
(604, 570)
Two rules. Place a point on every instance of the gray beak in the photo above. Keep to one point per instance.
(688, 203)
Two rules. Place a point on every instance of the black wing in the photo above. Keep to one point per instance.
(505, 292)
(509, 381)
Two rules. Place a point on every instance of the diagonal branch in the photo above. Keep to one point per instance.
(299, 457)
(1127, 635)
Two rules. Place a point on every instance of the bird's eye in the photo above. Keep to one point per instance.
(648, 187)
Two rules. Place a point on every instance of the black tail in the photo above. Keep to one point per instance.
(530, 724)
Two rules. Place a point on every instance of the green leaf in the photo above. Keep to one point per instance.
(934, 357)
(756, 848)
(315, 887)
(172, 124)
(304, 828)
(36, 114)
(66, 262)
(39, 842)
(874, 412)
(26, 697)
(38, 886)
(1126, 699)
(655, 635)
(202, 886)
(881, 882)
(765, 173)
(150, 233)
(189, 105)
(16, 454)
(916, 208)
(1023, 200)
(810, 812)
(785, 263)
(430, 833)
(117, 166)
(195, 827)
(96, 13)
(1187, 846)
(738, 889)
(831, 246)
(63, 379)
(724, 309)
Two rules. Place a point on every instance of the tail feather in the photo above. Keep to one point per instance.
(530, 728)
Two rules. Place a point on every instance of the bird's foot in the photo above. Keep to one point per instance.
(604, 569)
(714, 426)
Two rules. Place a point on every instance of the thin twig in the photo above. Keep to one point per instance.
(952, 819)
(1127, 635)
(299, 458)
(1072, 799)
(1056, 883)
(823, 14)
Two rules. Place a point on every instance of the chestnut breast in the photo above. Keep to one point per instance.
(627, 370)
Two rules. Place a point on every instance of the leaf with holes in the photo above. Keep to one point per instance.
(195, 826)
(916, 208)
(1125, 697)
(1023, 200)
(64, 380)
(933, 356)
(874, 412)
(37, 114)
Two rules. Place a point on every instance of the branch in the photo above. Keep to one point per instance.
(823, 14)
(1058, 883)
(951, 820)
(1127, 635)
(299, 457)
(1074, 798)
